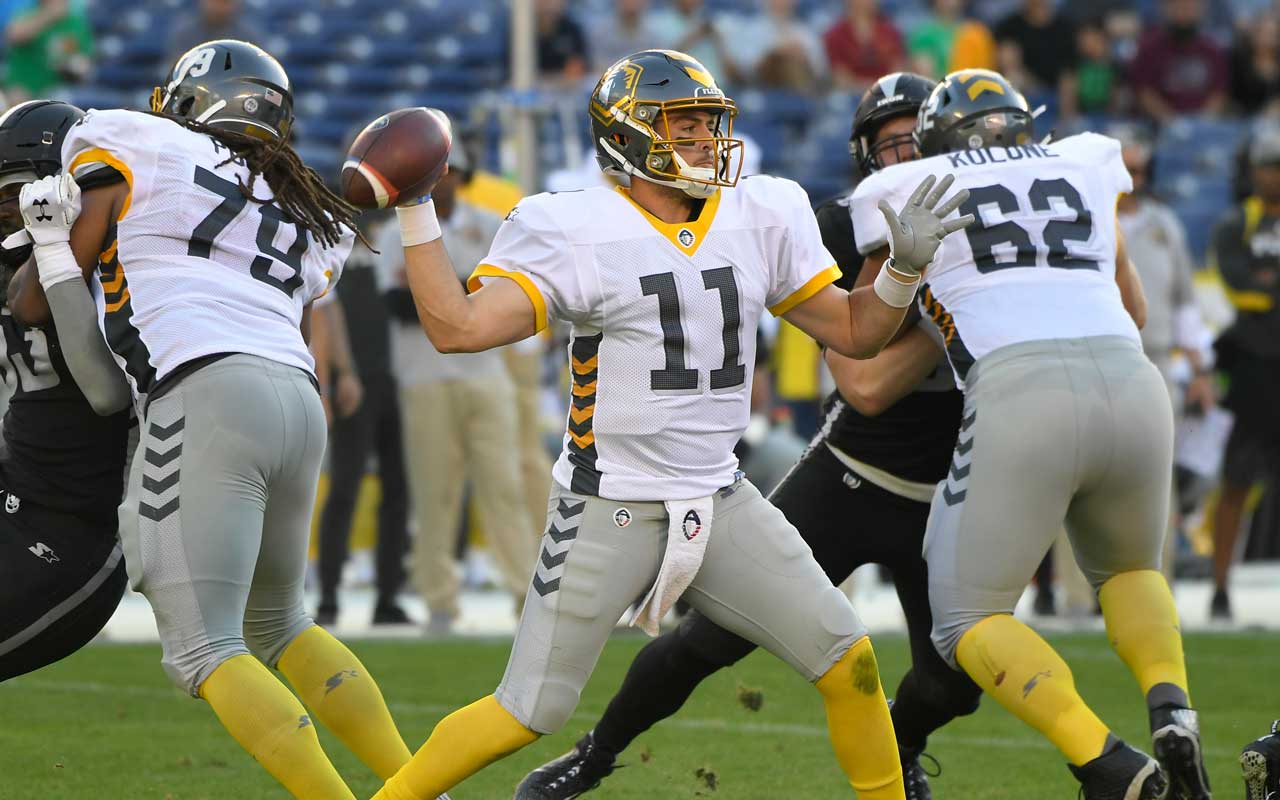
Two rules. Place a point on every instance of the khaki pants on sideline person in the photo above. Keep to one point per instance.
(458, 432)
(525, 369)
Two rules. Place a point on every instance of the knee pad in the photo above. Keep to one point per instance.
(268, 636)
(188, 667)
(839, 625)
(556, 703)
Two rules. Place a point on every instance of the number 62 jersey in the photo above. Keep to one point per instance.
(1039, 261)
(193, 267)
(664, 323)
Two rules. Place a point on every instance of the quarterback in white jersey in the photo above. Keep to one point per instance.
(1065, 422)
(205, 245)
(663, 282)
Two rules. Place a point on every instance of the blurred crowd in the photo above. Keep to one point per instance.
(1178, 81)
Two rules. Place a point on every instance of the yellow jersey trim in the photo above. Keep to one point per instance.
(490, 271)
(695, 230)
(811, 287)
(96, 155)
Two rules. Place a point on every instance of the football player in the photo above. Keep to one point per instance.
(66, 432)
(1064, 419)
(860, 494)
(209, 247)
(664, 283)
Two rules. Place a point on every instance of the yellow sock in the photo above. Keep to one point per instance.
(859, 724)
(1027, 676)
(269, 722)
(342, 694)
(462, 744)
(1142, 625)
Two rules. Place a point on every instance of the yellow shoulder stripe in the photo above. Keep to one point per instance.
(490, 271)
(811, 287)
(96, 155)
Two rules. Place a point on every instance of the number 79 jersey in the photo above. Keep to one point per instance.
(664, 323)
(193, 267)
(1039, 262)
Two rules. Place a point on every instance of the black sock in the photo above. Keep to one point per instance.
(919, 711)
(659, 681)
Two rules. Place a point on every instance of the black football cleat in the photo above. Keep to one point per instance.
(915, 779)
(1175, 742)
(1260, 766)
(571, 775)
(1122, 773)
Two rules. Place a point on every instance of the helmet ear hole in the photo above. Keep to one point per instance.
(184, 108)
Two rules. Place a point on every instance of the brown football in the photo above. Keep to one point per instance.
(399, 156)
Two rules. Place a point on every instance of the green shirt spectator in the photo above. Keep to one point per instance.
(49, 44)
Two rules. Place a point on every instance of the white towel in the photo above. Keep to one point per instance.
(688, 530)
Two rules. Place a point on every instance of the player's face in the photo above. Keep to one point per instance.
(905, 150)
(1266, 182)
(692, 124)
(10, 217)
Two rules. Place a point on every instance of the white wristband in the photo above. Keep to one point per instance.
(56, 264)
(418, 223)
(893, 291)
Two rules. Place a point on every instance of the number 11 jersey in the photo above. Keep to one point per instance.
(664, 323)
(192, 267)
(1039, 261)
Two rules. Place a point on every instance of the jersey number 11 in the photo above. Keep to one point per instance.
(675, 376)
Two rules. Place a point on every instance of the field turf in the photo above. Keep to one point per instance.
(106, 724)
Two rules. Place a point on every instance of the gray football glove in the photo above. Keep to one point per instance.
(916, 231)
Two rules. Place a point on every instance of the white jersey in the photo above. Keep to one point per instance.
(194, 268)
(1039, 262)
(664, 323)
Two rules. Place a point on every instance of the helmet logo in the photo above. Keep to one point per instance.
(686, 238)
(708, 91)
(975, 141)
(251, 105)
(978, 84)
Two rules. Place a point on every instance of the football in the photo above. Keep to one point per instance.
(399, 155)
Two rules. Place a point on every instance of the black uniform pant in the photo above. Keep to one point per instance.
(847, 522)
(61, 578)
(374, 427)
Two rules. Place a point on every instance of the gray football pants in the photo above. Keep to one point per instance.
(1066, 430)
(218, 513)
(758, 579)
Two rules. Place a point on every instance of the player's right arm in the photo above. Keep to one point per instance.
(1131, 293)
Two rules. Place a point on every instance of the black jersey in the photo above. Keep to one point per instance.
(57, 452)
(914, 437)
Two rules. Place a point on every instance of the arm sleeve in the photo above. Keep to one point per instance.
(84, 349)
(836, 226)
(532, 250)
(803, 267)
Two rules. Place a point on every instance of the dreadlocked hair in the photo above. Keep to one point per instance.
(297, 189)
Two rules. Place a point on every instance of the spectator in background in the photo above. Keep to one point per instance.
(372, 426)
(1255, 66)
(1245, 250)
(777, 50)
(628, 29)
(218, 19)
(686, 26)
(1097, 80)
(1178, 68)
(562, 47)
(947, 41)
(460, 423)
(862, 45)
(48, 44)
(1038, 52)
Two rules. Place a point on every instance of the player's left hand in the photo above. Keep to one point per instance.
(50, 206)
(348, 393)
(1200, 392)
(917, 230)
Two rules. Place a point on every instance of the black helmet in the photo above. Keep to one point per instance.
(31, 135)
(232, 85)
(642, 88)
(973, 108)
(896, 94)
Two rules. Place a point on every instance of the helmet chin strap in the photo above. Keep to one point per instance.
(694, 189)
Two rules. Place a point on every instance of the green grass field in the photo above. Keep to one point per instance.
(106, 724)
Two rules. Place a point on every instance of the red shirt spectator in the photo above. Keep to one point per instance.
(863, 45)
(1178, 69)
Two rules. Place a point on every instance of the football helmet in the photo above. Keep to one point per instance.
(973, 108)
(231, 85)
(896, 94)
(31, 136)
(629, 106)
